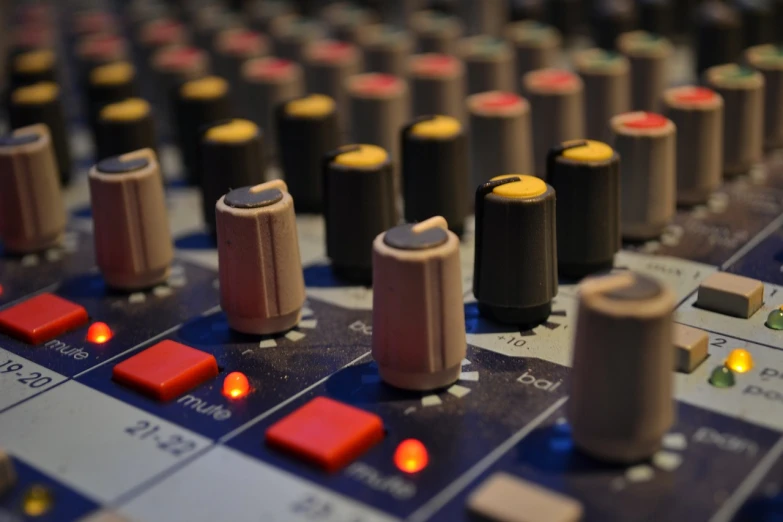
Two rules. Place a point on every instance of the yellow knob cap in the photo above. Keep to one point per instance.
(129, 109)
(234, 131)
(41, 92)
(205, 88)
(115, 73)
(312, 106)
(526, 187)
(592, 151)
(365, 156)
(439, 127)
(34, 61)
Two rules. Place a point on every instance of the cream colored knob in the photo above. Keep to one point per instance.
(418, 337)
(132, 239)
(261, 279)
(647, 145)
(622, 401)
(32, 213)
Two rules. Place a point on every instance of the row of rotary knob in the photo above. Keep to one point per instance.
(419, 336)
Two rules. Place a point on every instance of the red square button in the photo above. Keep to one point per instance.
(166, 370)
(326, 432)
(42, 318)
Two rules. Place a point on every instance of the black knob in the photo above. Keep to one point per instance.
(656, 16)
(586, 178)
(435, 171)
(609, 19)
(526, 10)
(123, 127)
(42, 103)
(107, 84)
(197, 104)
(718, 35)
(565, 15)
(777, 14)
(306, 131)
(32, 66)
(684, 12)
(232, 155)
(515, 263)
(360, 203)
(757, 21)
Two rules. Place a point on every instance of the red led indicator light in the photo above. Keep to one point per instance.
(647, 120)
(1, 289)
(236, 385)
(99, 333)
(411, 456)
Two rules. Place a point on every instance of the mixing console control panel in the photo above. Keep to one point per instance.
(392, 260)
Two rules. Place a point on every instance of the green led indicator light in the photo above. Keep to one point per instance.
(775, 319)
(722, 377)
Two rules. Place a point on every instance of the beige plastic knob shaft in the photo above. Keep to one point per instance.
(132, 239)
(607, 89)
(647, 145)
(557, 105)
(742, 90)
(32, 213)
(418, 316)
(621, 385)
(261, 279)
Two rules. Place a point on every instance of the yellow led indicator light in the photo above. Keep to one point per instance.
(526, 187)
(37, 501)
(739, 361)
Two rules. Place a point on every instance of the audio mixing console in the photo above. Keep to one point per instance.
(582, 319)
